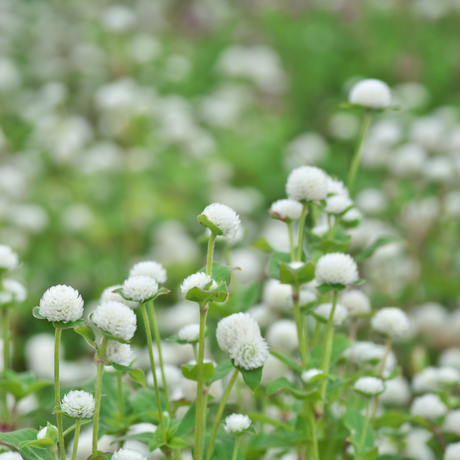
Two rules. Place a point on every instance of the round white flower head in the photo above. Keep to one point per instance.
(307, 183)
(61, 303)
(356, 302)
(452, 422)
(336, 268)
(140, 288)
(236, 327)
(78, 404)
(391, 321)
(119, 353)
(13, 291)
(397, 392)
(224, 218)
(336, 187)
(337, 204)
(286, 209)
(435, 379)
(371, 93)
(11, 456)
(250, 353)
(236, 423)
(428, 406)
(149, 268)
(369, 386)
(369, 353)
(108, 294)
(42, 433)
(307, 375)
(199, 280)
(128, 454)
(8, 258)
(352, 215)
(190, 333)
(282, 335)
(452, 451)
(340, 313)
(116, 319)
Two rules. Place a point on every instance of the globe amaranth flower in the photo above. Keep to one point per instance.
(224, 218)
(307, 183)
(452, 451)
(428, 406)
(282, 335)
(236, 423)
(435, 379)
(286, 210)
(11, 456)
(116, 319)
(119, 353)
(13, 291)
(336, 187)
(397, 392)
(371, 93)
(8, 258)
(199, 280)
(139, 288)
(42, 433)
(369, 386)
(337, 204)
(190, 333)
(336, 268)
(308, 375)
(149, 268)
(391, 321)
(61, 303)
(78, 404)
(128, 454)
(340, 313)
(250, 354)
(356, 302)
(108, 294)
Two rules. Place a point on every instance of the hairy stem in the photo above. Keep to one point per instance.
(100, 356)
(75, 440)
(311, 423)
(303, 346)
(57, 391)
(236, 448)
(291, 241)
(120, 396)
(6, 339)
(301, 231)
(211, 242)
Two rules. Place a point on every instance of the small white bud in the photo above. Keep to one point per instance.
(369, 386)
(78, 404)
(190, 333)
(236, 423)
(371, 93)
(199, 280)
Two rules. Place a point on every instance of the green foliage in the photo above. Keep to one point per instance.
(28, 452)
(190, 371)
(21, 385)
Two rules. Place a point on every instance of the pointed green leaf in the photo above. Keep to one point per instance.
(203, 220)
(190, 371)
(36, 313)
(187, 423)
(302, 275)
(221, 371)
(177, 443)
(263, 245)
(88, 334)
(383, 240)
(201, 296)
(324, 288)
(252, 377)
(69, 325)
(276, 386)
(138, 376)
(43, 443)
(274, 266)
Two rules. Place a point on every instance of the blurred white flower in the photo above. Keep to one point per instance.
(336, 268)
(128, 454)
(8, 258)
(307, 183)
(149, 268)
(190, 333)
(391, 321)
(340, 313)
(236, 423)
(286, 209)
(370, 93)
(369, 386)
(282, 335)
(397, 392)
(452, 451)
(13, 291)
(356, 302)
(306, 149)
(428, 406)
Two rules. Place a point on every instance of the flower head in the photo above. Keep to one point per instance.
(199, 280)
(8, 258)
(236, 423)
(452, 451)
(224, 218)
(190, 333)
(337, 204)
(428, 406)
(371, 93)
(282, 335)
(108, 294)
(336, 187)
(78, 404)
(397, 392)
(119, 353)
(308, 375)
(128, 454)
(140, 288)
(356, 302)
(116, 319)
(340, 313)
(13, 291)
(11, 456)
(307, 183)
(42, 433)
(391, 321)
(61, 303)
(250, 354)
(149, 268)
(336, 268)
(369, 386)
(452, 422)
(286, 210)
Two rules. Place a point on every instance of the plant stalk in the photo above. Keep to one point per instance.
(6, 338)
(120, 396)
(75, 441)
(301, 231)
(303, 346)
(236, 448)
(57, 391)
(291, 241)
(212, 240)
(100, 356)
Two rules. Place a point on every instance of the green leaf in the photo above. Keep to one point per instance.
(339, 345)
(187, 423)
(14, 438)
(252, 377)
(202, 296)
(69, 325)
(324, 288)
(203, 220)
(391, 419)
(190, 371)
(88, 334)
(36, 313)
(287, 360)
(302, 275)
(177, 443)
(366, 253)
(371, 454)
(138, 376)
(43, 443)
(276, 386)
(21, 385)
(221, 273)
(263, 245)
(354, 422)
(221, 371)
(256, 417)
(333, 245)
(274, 266)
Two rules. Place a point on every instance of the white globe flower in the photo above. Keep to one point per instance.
(307, 183)
(336, 268)
(354, 214)
(224, 218)
(140, 288)
(116, 319)
(128, 454)
(8, 258)
(435, 379)
(397, 392)
(369, 353)
(190, 333)
(308, 375)
(119, 353)
(337, 204)
(250, 353)
(282, 335)
(450, 358)
(336, 187)
(277, 296)
(452, 422)
(61, 303)
(371, 93)
(428, 406)
(233, 328)
(369, 386)
(108, 294)
(11, 456)
(391, 321)
(78, 404)
(452, 451)
(236, 423)
(199, 280)
(287, 210)
(42, 433)
(13, 291)
(356, 302)
(149, 268)
(340, 313)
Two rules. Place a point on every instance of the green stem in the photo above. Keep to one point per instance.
(75, 441)
(203, 421)
(6, 339)
(156, 333)
(301, 231)
(100, 356)
(303, 347)
(177, 455)
(311, 423)
(54, 452)
(236, 448)
(366, 424)
(199, 389)
(333, 228)
(57, 391)
(291, 241)
(317, 334)
(120, 396)
(381, 369)
(152, 365)
(211, 242)
(357, 155)
(329, 337)
(220, 412)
